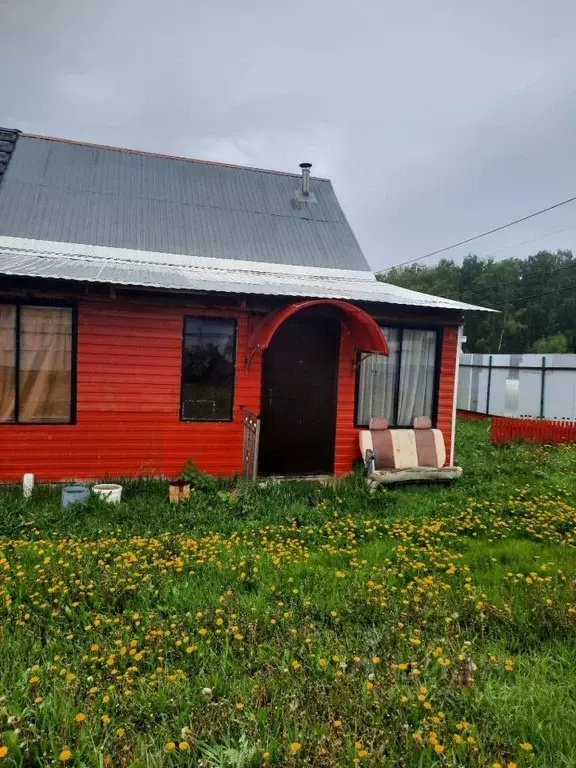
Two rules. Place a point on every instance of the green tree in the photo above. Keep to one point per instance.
(535, 298)
(557, 343)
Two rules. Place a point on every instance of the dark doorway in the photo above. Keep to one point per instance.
(299, 383)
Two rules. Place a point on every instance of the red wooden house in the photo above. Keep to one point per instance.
(148, 304)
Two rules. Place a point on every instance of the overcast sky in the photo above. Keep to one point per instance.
(435, 120)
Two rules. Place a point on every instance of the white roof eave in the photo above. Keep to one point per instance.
(113, 266)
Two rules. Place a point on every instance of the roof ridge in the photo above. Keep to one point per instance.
(146, 153)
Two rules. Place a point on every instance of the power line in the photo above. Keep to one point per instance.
(525, 242)
(483, 234)
(489, 289)
(535, 296)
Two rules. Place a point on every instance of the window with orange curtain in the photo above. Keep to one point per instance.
(36, 376)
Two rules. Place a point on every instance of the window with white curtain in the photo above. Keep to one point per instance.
(400, 386)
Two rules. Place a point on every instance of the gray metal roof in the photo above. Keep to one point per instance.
(56, 190)
(262, 279)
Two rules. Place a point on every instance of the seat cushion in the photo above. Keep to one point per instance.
(415, 475)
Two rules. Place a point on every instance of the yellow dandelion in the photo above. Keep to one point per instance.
(295, 746)
(65, 755)
(80, 717)
(120, 732)
(526, 746)
(337, 723)
(170, 746)
(183, 746)
(3, 751)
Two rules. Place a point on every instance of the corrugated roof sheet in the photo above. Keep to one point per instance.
(68, 192)
(117, 271)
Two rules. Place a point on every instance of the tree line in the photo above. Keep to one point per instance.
(535, 298)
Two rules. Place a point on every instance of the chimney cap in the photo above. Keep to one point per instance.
(305, 166)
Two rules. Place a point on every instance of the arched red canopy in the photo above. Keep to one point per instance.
(365, 331)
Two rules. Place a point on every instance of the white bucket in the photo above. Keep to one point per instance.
(109, 492)
(28, 485)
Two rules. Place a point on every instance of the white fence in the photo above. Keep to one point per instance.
(540, 386)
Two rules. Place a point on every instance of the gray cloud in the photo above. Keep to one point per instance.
(435, 121)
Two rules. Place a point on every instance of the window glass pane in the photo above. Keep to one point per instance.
(416, 375)
(377, 382)
(7, 363)
(208, 369)
(45, 376)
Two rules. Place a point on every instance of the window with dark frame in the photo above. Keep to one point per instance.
(403, 385)
(36, 364)
(208, 369)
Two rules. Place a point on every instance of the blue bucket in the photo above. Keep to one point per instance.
(72, 494)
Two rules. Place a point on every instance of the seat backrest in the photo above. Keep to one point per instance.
(394, 448)
(382, 443)
(405, 452)
(430, 446)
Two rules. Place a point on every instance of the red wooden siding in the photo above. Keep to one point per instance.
(128, 374)
(347, 450)
(128, 402)
(448, 360)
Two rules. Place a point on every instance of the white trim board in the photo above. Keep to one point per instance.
(147, 258)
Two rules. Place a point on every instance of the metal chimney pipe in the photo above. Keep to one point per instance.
(306, 178)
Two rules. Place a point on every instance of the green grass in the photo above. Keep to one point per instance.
(419, 626)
